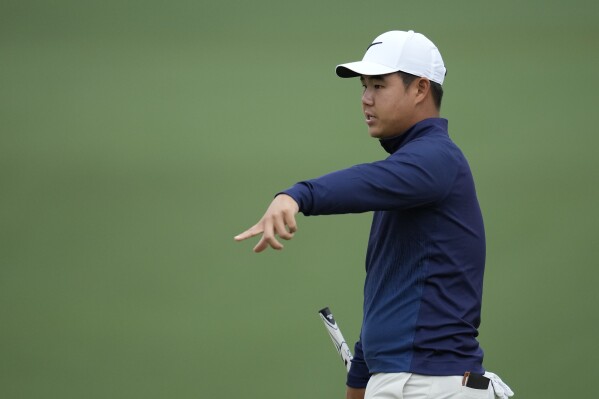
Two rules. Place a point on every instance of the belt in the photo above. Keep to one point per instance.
(475, 381)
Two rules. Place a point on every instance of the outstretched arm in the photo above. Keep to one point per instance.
(279, 220)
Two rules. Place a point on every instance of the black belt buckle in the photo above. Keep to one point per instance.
(475, 381)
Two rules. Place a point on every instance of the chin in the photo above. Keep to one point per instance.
(376, 135)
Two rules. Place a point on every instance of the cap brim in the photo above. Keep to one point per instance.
(353, 69)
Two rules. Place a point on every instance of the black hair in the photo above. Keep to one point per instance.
(436, 88)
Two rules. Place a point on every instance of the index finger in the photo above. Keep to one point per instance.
(251, 232)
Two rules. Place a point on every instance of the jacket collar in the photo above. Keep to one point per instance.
(392, 144)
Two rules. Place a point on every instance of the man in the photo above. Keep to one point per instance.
(426, 251)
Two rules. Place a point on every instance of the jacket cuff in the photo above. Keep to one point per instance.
(358, 375)
(301, 194)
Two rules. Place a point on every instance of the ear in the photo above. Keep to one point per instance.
(423, 87)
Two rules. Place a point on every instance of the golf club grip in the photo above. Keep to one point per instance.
(336, 336)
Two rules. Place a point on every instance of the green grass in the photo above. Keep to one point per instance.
(138, 138)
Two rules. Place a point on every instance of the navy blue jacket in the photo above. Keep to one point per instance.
(425, 258)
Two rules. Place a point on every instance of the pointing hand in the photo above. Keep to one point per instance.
(279, 220)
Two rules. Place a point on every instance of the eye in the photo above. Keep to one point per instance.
(378, 86)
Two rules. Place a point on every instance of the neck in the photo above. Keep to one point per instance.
(426, 110)
(392, 144)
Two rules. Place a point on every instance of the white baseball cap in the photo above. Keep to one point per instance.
(394, 51)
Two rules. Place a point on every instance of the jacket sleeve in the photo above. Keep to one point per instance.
(406, 179)
(358, 374)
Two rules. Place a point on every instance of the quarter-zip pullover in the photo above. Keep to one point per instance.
(425, 257)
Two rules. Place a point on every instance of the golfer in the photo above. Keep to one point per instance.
(426, 252)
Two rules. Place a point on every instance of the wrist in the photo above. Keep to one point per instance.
(289, 200)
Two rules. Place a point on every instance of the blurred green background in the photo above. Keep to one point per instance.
(138, 137)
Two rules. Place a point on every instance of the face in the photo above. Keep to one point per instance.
(388, 106)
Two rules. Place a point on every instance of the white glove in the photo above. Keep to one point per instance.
(501, 389)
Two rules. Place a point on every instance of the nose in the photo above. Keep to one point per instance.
(367, 98)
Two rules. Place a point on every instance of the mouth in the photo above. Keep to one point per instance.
(369, 118)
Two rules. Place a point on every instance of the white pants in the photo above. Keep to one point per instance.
(417, 386)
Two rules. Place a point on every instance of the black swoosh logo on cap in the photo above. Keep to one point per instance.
(373, 45)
